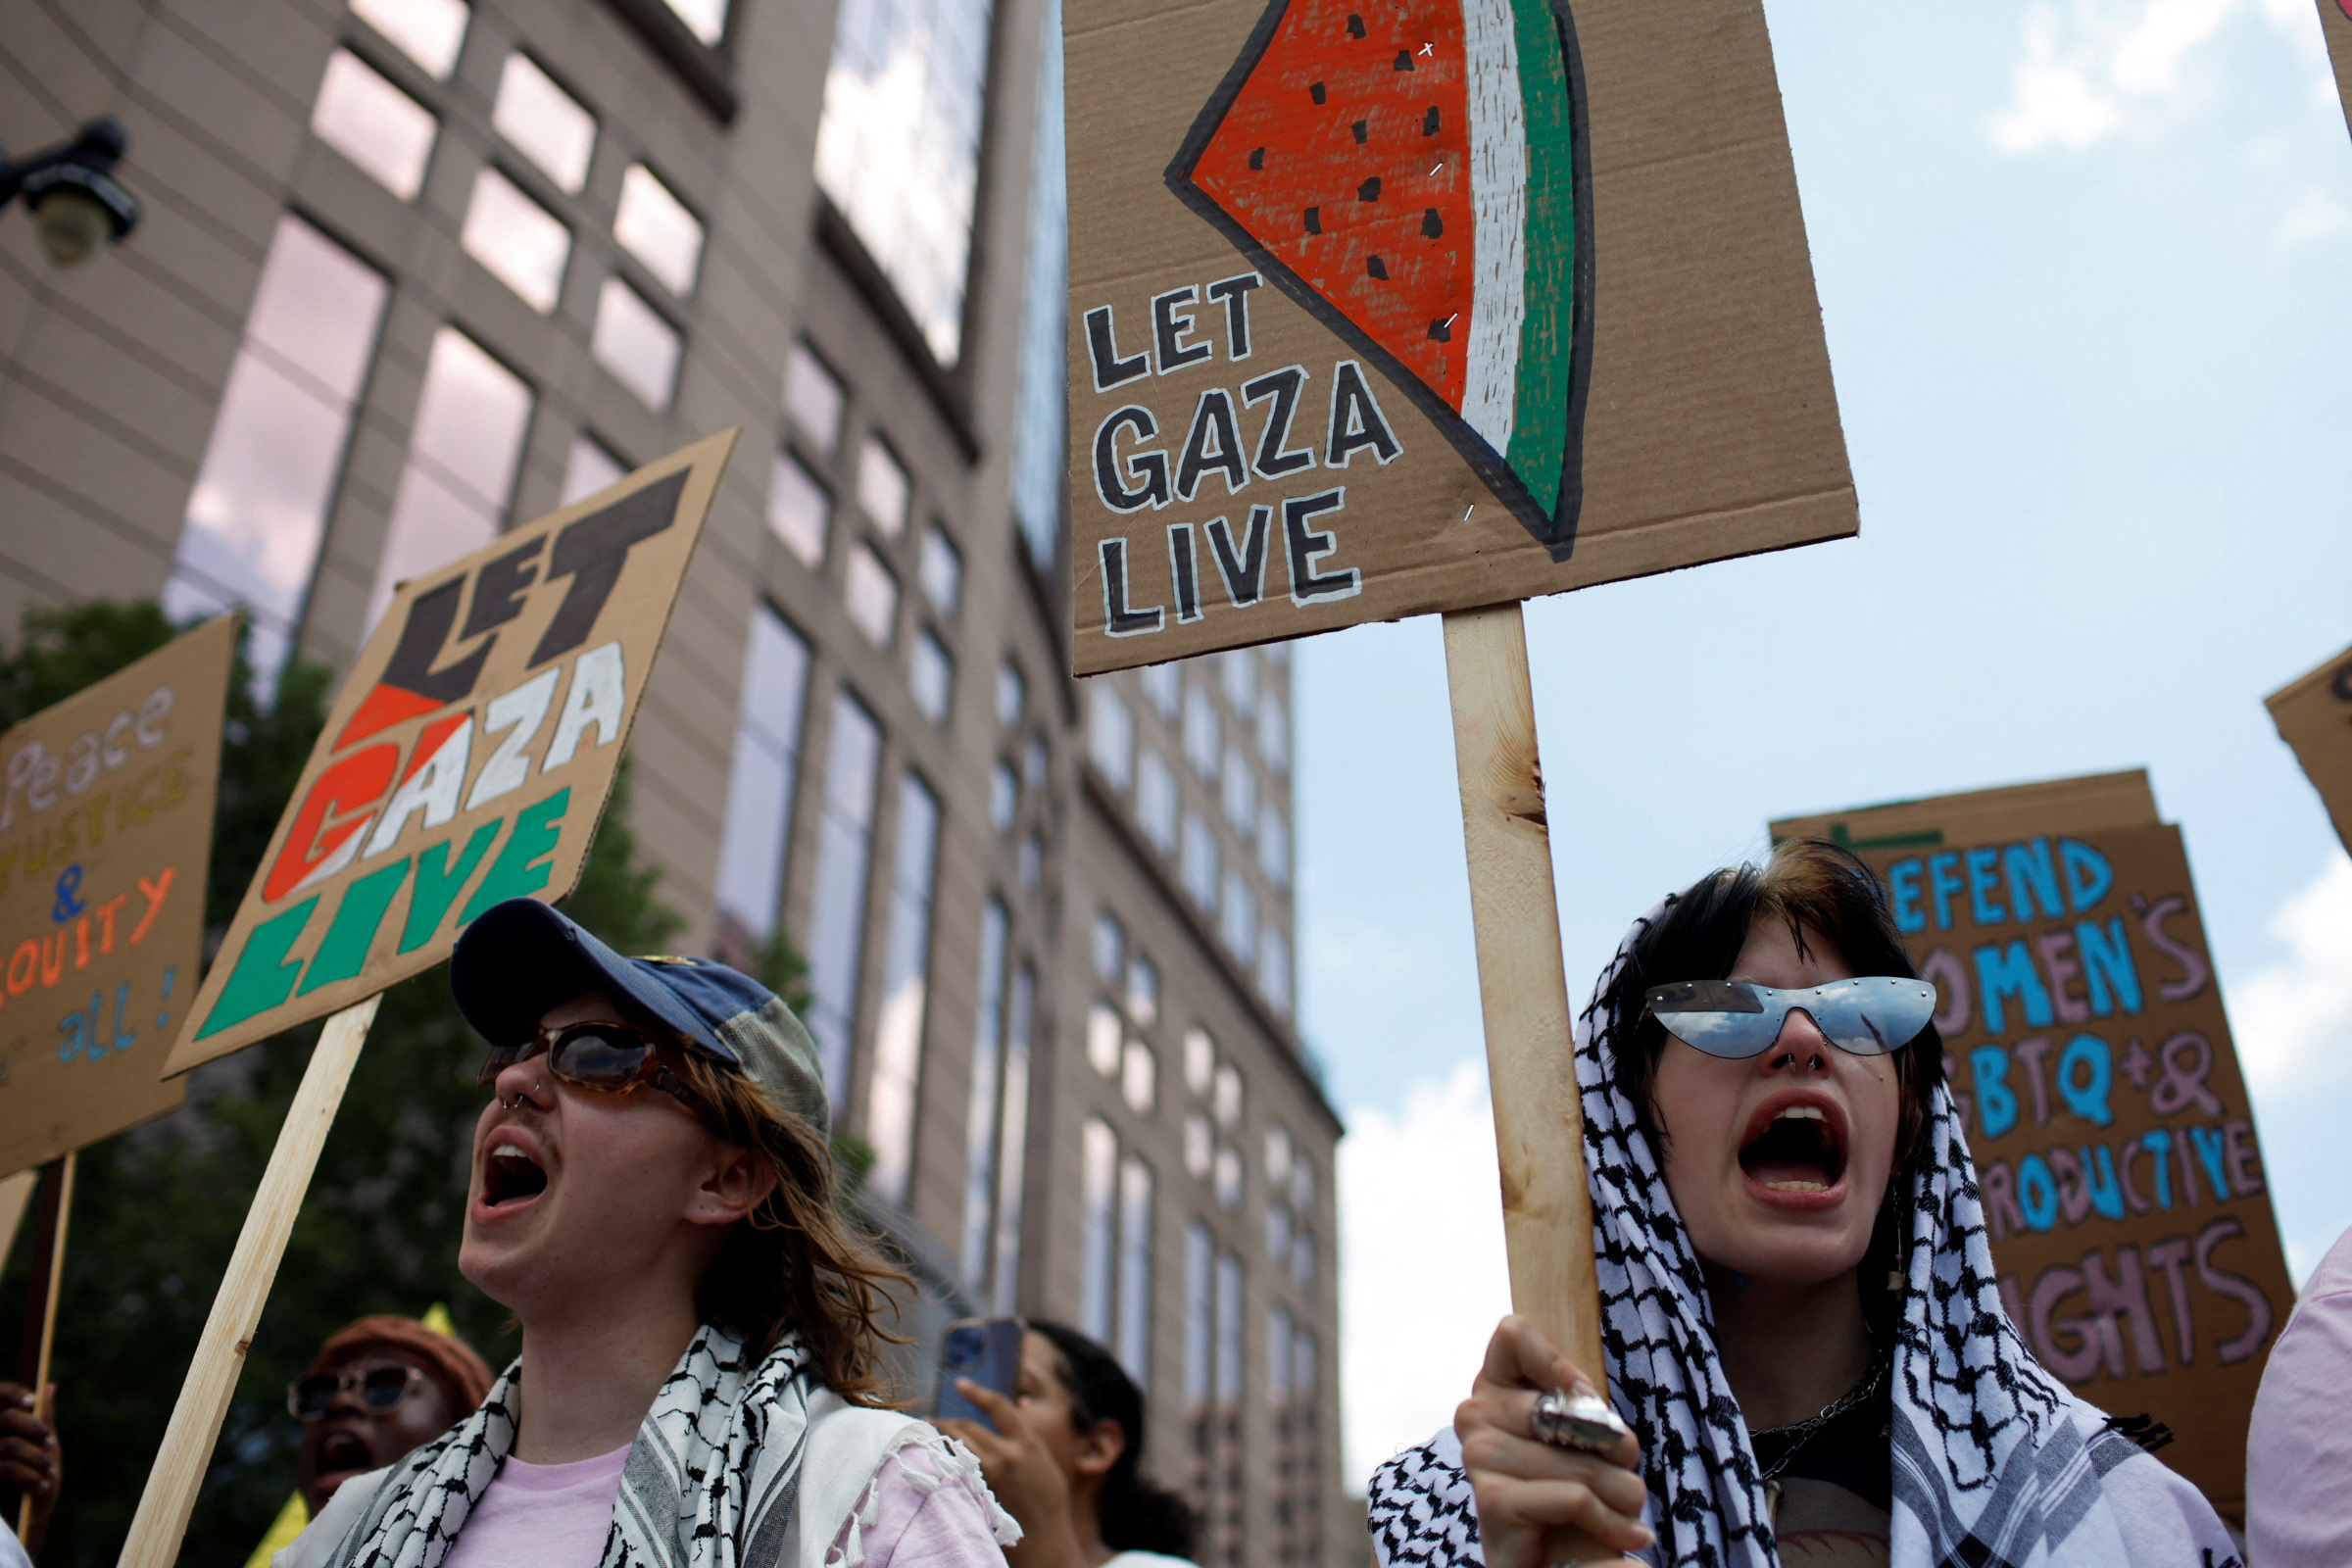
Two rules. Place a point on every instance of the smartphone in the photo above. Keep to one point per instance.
(985, 1350)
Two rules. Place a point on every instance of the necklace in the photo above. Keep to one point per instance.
(1800, 1433)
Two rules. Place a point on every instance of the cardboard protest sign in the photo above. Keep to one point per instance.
(2335, 21)
(467, 758)
(106, 827)
(1383, 310)
(2314, 717)
(2085, 1042)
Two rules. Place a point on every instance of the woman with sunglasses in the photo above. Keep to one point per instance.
(1800, 1312)
(377, 1390)
(700, 1383)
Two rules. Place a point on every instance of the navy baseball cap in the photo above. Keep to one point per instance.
(520, 957)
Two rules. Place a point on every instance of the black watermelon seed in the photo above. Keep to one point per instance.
(1355, 25)
(1316, 92)
(1378, 269)
(1258, 158)
(1442, 332)
(1405, 61)
(1362, 129)
(1432, 225)
(1315, 220)
(1428, 121)
(1369, 190)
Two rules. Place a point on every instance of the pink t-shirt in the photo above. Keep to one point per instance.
(558, 1515)
(2299, 1449)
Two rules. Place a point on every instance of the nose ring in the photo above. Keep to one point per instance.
(521, 1100)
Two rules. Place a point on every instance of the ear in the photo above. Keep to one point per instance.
(737, 1183)
(1099, 1448)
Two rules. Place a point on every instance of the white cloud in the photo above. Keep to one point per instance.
(2293, 1019)
(1423, 1279)
(2088, 69)
(2316, 217)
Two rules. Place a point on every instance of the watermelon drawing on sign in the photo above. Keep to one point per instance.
(1416, 175)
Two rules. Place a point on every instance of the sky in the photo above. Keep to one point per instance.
(2082, 266)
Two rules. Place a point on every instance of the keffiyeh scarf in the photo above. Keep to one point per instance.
(711, 1483)
(1994, 1462)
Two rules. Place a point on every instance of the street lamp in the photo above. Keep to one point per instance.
(70, 192)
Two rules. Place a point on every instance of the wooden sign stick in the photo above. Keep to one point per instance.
(48, 1283)
(171, 1486)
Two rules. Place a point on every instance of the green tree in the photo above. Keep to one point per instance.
(157, 1209)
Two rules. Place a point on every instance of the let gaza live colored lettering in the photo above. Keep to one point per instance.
(2082, 1116)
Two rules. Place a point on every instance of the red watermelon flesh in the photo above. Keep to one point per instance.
(1346, 154)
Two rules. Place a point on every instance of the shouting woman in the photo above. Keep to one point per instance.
(1800, 1312)
(698, 1385)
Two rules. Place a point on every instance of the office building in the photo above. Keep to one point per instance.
(413, 270)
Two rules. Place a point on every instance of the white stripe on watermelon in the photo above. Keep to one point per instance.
(1498, 203)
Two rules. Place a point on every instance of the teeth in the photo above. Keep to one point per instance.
(1798, 1187)
(507, 1152)
(1801, 1114)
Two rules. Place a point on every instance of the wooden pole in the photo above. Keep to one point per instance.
(171, 1485)
(40, 1304)
(1523, 984)
(16, 1196)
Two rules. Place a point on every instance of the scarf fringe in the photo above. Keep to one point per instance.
(952, 1463)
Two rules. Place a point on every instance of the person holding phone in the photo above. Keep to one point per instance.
(1800, 1310)
(700, 1383)
(1065, 1452)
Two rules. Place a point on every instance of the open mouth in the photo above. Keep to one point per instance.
(1799, 1150)
(511, 1176)
(343, 1453)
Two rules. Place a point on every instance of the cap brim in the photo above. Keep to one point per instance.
(521, 957)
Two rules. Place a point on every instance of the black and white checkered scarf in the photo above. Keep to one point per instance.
(1995, 1462)
(710, 1482)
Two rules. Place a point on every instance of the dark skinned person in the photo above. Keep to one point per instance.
(28, 1463)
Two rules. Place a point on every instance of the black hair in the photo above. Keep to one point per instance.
(1823, 891)
(1134, 1514)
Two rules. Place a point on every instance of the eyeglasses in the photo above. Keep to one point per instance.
(381, 1389)
(1867, 1016)
(612, 1057)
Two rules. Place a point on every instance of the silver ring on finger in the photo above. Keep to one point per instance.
(1582, 1422)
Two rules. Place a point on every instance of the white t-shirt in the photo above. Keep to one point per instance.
(12, 1550)
(542, 1515)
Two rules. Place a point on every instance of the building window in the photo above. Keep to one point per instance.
(760, 779)
(1013, 1137)
(258, 512)
(1274, 968)
(941, 571)
(1238, 669)
(1229, 1328)
(1033, 861)
(1012, 695)
(1278, 1355)
(1274, 845)
(1201, 738)
(799, 510)
(1142, 991)
(1111, 947)
(870, 594)
(1200, 1062)
(545, 123)
(1237, 917)
(428, 31)
(1227, 1176)
(1228, 1097)
(706, 19)
(1038, 470)
(1098, 1174)
(1277, 1156)
(374, 124)
(589, 468)
(898, 149)
(1302, 1365)
(1199, 867)
(882, 488)
(931, 678)
(1138, 1078)
(1302, 1256)
(633, 341)
(906, 965)
(1200, 1314)
(1303, 1185)
(1274, 733)
(656, 227)
(1241, 792)
(845, 850)
(813, 397)
(1199, 1145)
(1111, 734)
(980, 1123)
(1155, 800)
(522, 244)
(1133, 1346)
(1278, 1232)
(462, 458)
(1164, 685)
(1003, 796)
(1104, 1033)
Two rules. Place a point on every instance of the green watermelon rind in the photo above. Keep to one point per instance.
(1547, 410)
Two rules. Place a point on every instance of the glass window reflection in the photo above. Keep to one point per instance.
(374, 124)
(656, 227)
(1039, 412)
(761, 774)
(522, 244)
(428, 31)
(588, 469)
(798, 509)
(463, 457)
(545, 123)
(813, 397)
(636, 344)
